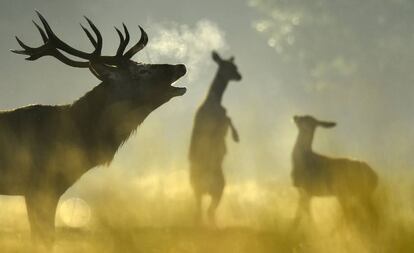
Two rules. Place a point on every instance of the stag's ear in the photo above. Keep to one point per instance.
(231, 59)
(216, 57)
(103, 72)
(326, 124)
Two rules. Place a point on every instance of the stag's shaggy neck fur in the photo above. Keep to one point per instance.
(105, 126)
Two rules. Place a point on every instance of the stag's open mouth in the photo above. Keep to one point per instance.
(178, 91)
(180, 71)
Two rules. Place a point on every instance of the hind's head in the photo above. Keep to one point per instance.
(309, 123)
(227, 68)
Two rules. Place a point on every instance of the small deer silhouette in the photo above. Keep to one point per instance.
(45, 149)
(317, 175)
(208, 147)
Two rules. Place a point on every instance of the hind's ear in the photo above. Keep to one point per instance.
(326, 124)
(216, 57)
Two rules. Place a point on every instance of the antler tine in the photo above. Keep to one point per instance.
(44, 50)
(19, 51)
(98, 48)
(53, 46)
(137, 47)
(53, 39)
(26, 50)
(121, 43)
(126, 34)
(45, 25)
(42, 33)
(90, 37)
(22, 45)
(123, 40)
(33, 53)
(48, 48)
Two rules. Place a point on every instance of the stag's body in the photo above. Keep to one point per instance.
(316, 175)
(43, 142)
(208, 146)
(45, 149)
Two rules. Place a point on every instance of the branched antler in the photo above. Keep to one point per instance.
(53, 46)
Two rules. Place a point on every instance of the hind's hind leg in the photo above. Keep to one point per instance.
(198, 212)
(197, 183)
(348, 208)
(216, 194)
(370, 214)
(215, 201)
(360, 211)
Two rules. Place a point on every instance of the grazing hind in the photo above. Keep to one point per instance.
(316, 175)
(46, 149)
(208, 146)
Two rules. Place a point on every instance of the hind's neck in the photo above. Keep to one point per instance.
(217, 88)
(304, 142)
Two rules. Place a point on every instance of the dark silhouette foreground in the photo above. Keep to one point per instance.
(314, 175)
(208, 146)
(45, 149)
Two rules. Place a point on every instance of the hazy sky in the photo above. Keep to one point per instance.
(347, 61)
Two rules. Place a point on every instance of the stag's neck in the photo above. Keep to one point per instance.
(104, 128)
(217, 88)
(303, 143)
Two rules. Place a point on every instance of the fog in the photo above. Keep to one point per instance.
(344, 61)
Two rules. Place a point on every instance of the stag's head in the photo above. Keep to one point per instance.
(309, 123)
(227, 68)
(124, 80)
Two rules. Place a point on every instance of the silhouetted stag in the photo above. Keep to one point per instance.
(208, 147)
(351, 182)
(45, 149)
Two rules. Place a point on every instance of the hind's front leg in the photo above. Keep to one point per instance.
(303, 209)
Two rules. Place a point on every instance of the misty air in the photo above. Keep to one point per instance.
(206, 126)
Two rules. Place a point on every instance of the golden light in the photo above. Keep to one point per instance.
(75, 212)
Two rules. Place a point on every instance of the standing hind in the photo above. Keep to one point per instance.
(208, 147)
(315, 175)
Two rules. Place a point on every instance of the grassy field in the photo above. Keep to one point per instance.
(307, 238)
(249, 220)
